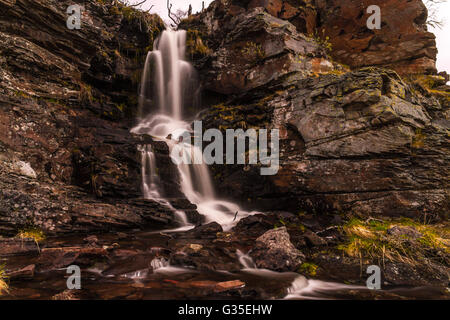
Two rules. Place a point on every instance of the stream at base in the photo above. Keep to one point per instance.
(138, 268)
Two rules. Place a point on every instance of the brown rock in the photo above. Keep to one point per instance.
(228, 285)
(313, 239)
(13, 246)
(55, 258)
(402, 43)
(26, 272)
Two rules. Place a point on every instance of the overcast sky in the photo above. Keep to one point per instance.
(442, 35)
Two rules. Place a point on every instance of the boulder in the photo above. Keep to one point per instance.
(274, 251)
(206, 231)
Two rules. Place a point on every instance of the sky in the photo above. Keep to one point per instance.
(442, 35)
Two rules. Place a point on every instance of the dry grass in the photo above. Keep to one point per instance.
(32, 233)
(3, 284)
(370, 240)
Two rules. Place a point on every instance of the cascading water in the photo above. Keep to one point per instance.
(168, 88)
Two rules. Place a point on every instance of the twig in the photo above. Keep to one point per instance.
(138, 4)
(169, 9)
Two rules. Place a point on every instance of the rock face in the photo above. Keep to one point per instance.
(402, 44)
(68, 99)
(245, 49)
(274, 251)
(365, 141)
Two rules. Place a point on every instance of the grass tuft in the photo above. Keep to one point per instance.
(31, 233)
(371, 240)
(4, 288)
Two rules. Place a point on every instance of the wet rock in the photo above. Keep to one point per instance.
(206, 256)
(129, 265)
(206, 231)
(255, 225)
(121, 235)
(125, 253)
(13, 246)
(189, 209)
(195, 247)
(229, 285)
(274, 251)
(204, 284)
(26, 272)
(56, 258)
(314, 240)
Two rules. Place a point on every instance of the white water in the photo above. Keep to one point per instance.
(301, 287)
(167, 89)
(246, 261)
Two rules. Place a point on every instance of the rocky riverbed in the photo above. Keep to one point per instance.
(252, 261)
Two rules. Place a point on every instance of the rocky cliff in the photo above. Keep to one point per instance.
(68, 100)
(367, 141)
(364, 123)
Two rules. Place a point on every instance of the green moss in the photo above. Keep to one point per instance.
(309, 269)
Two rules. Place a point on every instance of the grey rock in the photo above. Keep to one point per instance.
(274, 251)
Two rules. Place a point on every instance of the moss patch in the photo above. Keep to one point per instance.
(309, 269)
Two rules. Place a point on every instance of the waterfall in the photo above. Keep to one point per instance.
(168, 89)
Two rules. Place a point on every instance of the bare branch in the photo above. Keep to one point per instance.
(138, 4)
(169, 9)
(177, 16)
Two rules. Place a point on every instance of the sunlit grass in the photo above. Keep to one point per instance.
(32, 233)
(370, 240)
(3, 278)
